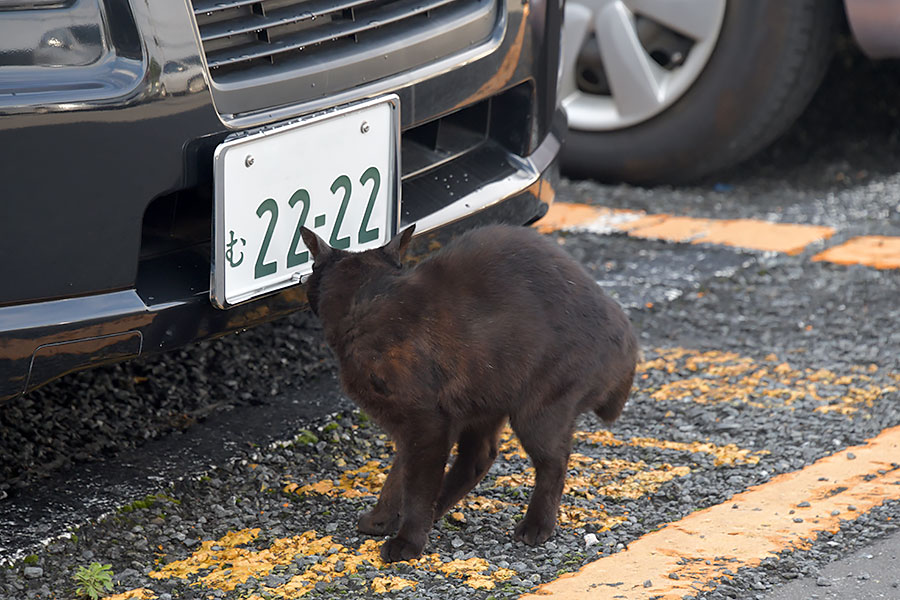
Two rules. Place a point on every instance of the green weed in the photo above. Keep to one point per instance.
(306, 438)
(93, 580)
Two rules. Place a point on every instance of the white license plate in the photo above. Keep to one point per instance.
(336, 173)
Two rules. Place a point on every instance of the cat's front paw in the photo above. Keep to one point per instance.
(533, 532)
(398, 548)
(378, 523)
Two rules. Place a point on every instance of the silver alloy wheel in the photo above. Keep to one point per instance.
(639, 87)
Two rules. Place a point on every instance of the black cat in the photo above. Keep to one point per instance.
(500, 325)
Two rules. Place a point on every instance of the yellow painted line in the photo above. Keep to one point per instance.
(565, 215)
(788, 238)
(784, 514)
(135, 594)
(879, 251)
(670, 229)
(726, 377)
(752, 234)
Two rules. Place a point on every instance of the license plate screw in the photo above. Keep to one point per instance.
(248, 162)
(298, 278)
(364, 128)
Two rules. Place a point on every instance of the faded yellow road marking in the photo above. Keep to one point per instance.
(717, 377)
(786, 513)
(600, 219)
(881, 252)
(227, 564)
(741, 233)
(613, 478)
(380, 585)
(729, 454)
(135, 594)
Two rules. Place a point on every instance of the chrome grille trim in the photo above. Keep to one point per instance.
(261, 54)
(399, 11)
(308, 11)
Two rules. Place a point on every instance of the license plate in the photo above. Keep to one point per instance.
(336, 173)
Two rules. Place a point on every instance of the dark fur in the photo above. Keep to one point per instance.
(501, 324)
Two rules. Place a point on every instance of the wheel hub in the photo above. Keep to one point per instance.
(625, 61)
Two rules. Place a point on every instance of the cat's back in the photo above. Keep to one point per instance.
(518, 271)
(506, 255)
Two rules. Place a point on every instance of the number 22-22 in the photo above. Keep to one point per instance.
(293, 259)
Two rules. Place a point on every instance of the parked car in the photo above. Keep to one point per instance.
(670, 91)
(158, 158)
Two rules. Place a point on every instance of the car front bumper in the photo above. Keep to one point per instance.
(44, 340)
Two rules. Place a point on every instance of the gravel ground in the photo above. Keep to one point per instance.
(739, 313)
(278, 489)
(695, 307)
(98, 413)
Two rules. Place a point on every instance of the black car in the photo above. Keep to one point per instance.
(158, 158)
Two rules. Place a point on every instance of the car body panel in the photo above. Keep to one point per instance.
(876, 26)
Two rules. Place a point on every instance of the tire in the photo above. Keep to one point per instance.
(768, 61)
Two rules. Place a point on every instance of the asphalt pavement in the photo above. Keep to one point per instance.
(757, 458)
(867, 574)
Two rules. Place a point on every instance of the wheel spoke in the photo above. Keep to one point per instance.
(633, 76)
(576, 26)
(696, 19)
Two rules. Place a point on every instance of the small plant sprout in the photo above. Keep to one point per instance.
(93, 580)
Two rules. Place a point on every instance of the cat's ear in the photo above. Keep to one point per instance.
(396, 248)
(317, 246)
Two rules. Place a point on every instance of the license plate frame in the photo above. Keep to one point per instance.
(369, 134)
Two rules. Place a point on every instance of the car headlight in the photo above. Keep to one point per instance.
(50, 33)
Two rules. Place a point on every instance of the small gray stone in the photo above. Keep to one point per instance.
(456, 542)
(648, 583)
(125, 575)
(191, 542)
(590, 539)
(331, 527)
(34, 572)
(823, 582)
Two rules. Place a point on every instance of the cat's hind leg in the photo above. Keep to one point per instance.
(384, 518)
(547, 438)
(476, 451)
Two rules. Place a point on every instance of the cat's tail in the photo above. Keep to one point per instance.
(611, 407)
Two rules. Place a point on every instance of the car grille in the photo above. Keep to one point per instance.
(249, 38)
